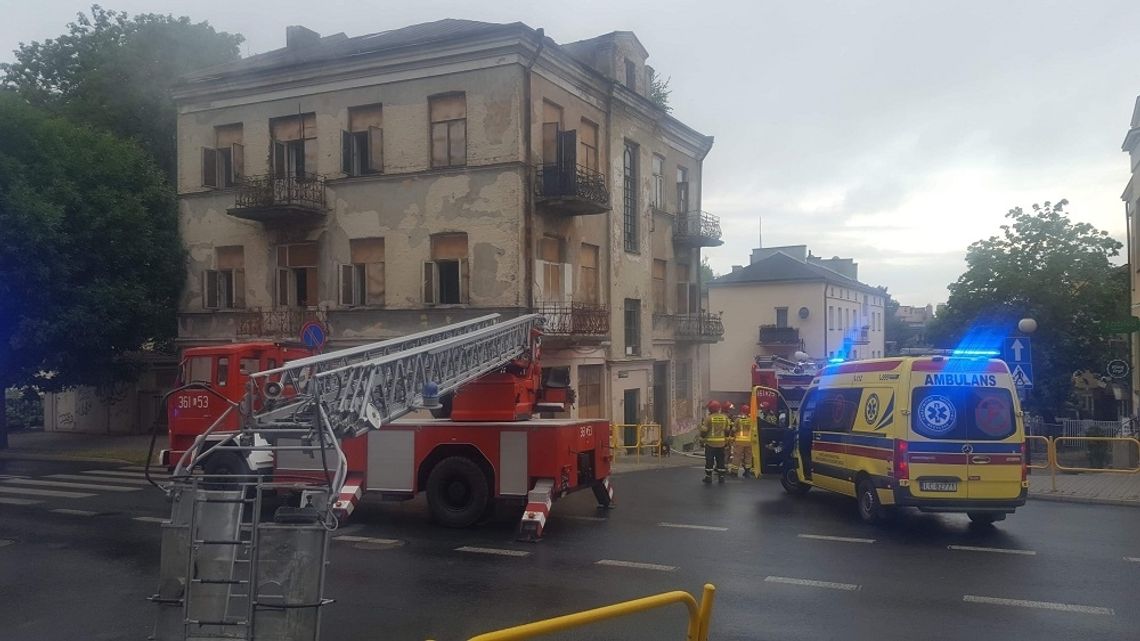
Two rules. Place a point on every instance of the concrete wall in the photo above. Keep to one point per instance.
(127, 409)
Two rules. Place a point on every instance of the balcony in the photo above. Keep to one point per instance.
(573, 191)
(697, 229)
(575, 322)
(701, 327)
(862, 336)
(773, 336)
(290, 199)
(283, 323)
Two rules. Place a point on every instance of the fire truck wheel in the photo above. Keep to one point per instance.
(228, 471)
(457, 492)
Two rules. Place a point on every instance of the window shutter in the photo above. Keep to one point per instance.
(374, 273)
(567, 282)
(457, 137)
(237, 154)
(431, 280)
(375, 149)
(278, 155)
(539, 281)
(464, 277)
(439, 144)
(239, 289)
(209, 167)
(210, 289)
(309, 158)
(346, 154)
(346, 285)
(682, 298)
(283, 289)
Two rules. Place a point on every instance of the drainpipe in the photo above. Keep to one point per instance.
(528, 201)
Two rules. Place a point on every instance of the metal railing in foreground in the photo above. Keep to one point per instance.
(1084, 454)
(700, 615)
(648, 436)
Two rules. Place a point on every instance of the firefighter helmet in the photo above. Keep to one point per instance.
(714, 406)
(744, 409)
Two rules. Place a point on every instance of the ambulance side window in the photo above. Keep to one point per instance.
(807, 411)
(835, 409)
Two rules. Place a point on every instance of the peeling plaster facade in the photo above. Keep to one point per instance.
(511, 77)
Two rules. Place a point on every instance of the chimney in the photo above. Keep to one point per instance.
(298, 37)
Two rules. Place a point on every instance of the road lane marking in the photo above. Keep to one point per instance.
(974, 548)
(1134, 559)
(31, 491)
(831, 585)
(149, 519)
(6, 542)
(841, 539)
(495, 551)
(574, 517)
(365, 539)
(74, 512)
(1042, 605)
(73, 486)
(96, 479)
(637, 566)
(688, 526)
(7, 501)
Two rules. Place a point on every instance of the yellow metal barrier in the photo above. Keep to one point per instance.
(1098, 448)
(647, 435)
(1048, 444)
(698, 628)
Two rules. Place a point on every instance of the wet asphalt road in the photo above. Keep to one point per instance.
(785, 568)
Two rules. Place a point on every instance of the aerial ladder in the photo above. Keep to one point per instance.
(303, 432)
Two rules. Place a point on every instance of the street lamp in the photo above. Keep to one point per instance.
(1027, 325)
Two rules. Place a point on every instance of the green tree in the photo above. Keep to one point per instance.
(896, 334)
(659, 91)
(115, 73)
(707, 274)
(91, 265)
(1043, 266)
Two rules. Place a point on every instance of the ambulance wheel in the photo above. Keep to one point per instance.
(226, 471)
(790, 480)
(870, 510)
(985, 518)
(457, 492)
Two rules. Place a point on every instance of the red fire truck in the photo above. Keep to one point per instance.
(481, 379)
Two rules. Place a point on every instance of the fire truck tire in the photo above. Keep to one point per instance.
(458, 492)
(230, 469)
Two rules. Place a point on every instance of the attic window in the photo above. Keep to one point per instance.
(630, 75)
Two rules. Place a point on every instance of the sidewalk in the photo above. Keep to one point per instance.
(64, 446)
(1086, 487)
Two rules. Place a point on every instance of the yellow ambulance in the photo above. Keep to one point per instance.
(938, 433)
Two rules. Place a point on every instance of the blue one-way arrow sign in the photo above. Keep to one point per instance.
(1017, 349)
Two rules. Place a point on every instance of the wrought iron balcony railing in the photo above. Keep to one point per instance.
(277, 323)
(574, 191)
(697, 229)
(702, 327)
(863, 336)
(578, 320)
(269, 198)
(773, 335)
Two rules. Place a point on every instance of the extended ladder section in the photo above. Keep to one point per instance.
(379, 383)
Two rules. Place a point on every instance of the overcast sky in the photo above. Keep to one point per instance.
(894, 133)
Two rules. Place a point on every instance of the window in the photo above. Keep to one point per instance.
(684, 384)
(963, 413)
(446, 274)
(247, 366)
(294, 145)
(687, 296)
(553, 270)
(682, 190)
(658, 182)
(197, 369)
(659, 270)
(781, 317)
(590, 392)
(362, 279)
(224, 163)
(363, 143)
(588, 146)
(224, 287)
(588, 265)
(629, 212)
(551, 127)
(448, 130)
(830, 317)
(297, 275)
(830, 410)
(630, 75)
(632, 327)
(223, 371)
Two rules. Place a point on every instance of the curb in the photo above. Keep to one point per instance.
(1088, 500)
(60, 458)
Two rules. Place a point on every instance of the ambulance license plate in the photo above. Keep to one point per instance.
(938, 486)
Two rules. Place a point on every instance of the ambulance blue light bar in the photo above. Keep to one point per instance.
(975, 352)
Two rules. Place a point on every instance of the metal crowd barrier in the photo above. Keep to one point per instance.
(1101, 453)
(700, 614)
(648, 436)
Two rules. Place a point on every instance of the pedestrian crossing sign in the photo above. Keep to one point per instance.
(1022, 375)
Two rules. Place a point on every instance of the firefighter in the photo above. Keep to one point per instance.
(714, 435)
(742, 449)
(730, 441)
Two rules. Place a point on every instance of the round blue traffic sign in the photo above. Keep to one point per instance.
(313, 335)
